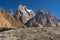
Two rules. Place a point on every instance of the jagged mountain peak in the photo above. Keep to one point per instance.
(11, 12)
(42, 11)
(21, 7)
(24, 8)
(42, 17)
(23, 14)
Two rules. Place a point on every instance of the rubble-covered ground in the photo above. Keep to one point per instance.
(46, 33)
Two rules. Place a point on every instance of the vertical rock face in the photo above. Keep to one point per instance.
(44, 18)
(23, 14)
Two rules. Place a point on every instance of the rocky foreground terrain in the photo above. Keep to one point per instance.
(46, 33)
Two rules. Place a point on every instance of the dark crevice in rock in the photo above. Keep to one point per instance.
(5, 29)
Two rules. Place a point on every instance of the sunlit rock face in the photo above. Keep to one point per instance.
(44, 18)
(4, 22)
(23, 14)
(8, 21)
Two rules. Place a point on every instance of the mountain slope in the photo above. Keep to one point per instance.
(4, 22)
(12, 21)
(43, 18)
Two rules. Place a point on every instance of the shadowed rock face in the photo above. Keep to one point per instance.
(44, 18)
(23, 14)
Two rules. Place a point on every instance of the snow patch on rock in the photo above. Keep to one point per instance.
(29, 10)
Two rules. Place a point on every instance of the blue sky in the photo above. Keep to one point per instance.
(50, 5)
